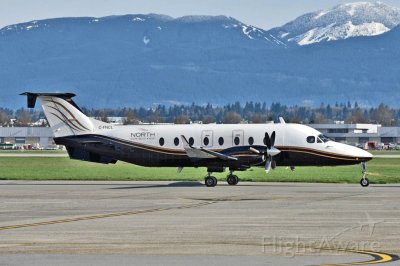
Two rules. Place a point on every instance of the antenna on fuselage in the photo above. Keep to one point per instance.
(281, 120)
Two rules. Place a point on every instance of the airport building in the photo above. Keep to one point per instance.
(360, 134)
(354, 134)
(33, 137)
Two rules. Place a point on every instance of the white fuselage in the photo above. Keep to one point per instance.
(215, 146)
(238, 146)
(287, 135)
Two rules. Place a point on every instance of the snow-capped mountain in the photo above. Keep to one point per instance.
(141, 60)
(341, 22)
(146, 58)
(150, 27)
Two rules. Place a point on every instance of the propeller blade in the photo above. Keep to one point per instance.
(272, 139)
(273, 164)
(267, 140)
(268, 164)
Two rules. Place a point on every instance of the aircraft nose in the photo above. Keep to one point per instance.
(367, 155)
(364, 155)
(360, 154)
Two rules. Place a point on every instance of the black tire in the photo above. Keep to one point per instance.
(364, 182)
(210, 181)
(232, 180)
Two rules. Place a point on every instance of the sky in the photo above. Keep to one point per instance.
(264, 14)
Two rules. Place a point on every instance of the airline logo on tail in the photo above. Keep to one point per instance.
(60, 111)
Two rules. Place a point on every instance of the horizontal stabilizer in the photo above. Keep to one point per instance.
(32, 96)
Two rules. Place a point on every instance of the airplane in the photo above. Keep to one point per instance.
(236, 147)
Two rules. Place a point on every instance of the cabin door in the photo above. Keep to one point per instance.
(237, 137)
(207, 138)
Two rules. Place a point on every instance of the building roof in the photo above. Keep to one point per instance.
(371, 128)
(354, 126)
(25, 132)
(389, 132)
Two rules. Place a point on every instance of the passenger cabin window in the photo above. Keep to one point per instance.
(311, 139)
(191, 141)
(236, 141)
(251, 141)
(176, 141)
(161, 141)
(206, 141)
(221, 141)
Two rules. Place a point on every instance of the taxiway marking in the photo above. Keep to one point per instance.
(102, 216)
(378, 257)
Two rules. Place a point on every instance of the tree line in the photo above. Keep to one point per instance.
(251, 112)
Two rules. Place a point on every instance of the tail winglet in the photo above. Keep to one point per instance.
(32, 96)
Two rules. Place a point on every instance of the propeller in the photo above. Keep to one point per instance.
(269, 153)
(269, 141)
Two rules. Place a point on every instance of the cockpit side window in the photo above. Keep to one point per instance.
(323, 138)
(311, 139)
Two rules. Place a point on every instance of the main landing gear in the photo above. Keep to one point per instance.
(211, 181)
(232, 179)
(364, 180)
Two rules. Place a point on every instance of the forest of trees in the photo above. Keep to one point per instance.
(232, 113)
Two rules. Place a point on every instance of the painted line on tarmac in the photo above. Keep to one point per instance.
(102, 216)
(378, 257)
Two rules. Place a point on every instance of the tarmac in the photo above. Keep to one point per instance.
(181, 223)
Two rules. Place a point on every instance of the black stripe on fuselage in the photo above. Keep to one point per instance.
(148, 155)
(319, 153)
(282, 148)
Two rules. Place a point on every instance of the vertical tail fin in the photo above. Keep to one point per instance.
(64, 116)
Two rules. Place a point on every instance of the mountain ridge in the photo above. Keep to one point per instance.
(141, 60)
(340, 22)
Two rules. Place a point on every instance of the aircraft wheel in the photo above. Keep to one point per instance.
(364, 182)
(211, 181)
(232, 180)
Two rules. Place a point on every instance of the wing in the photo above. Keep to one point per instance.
(202, 153)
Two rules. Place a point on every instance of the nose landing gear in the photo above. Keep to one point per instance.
(364, 180)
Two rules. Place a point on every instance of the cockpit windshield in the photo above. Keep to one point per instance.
(323, 138)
